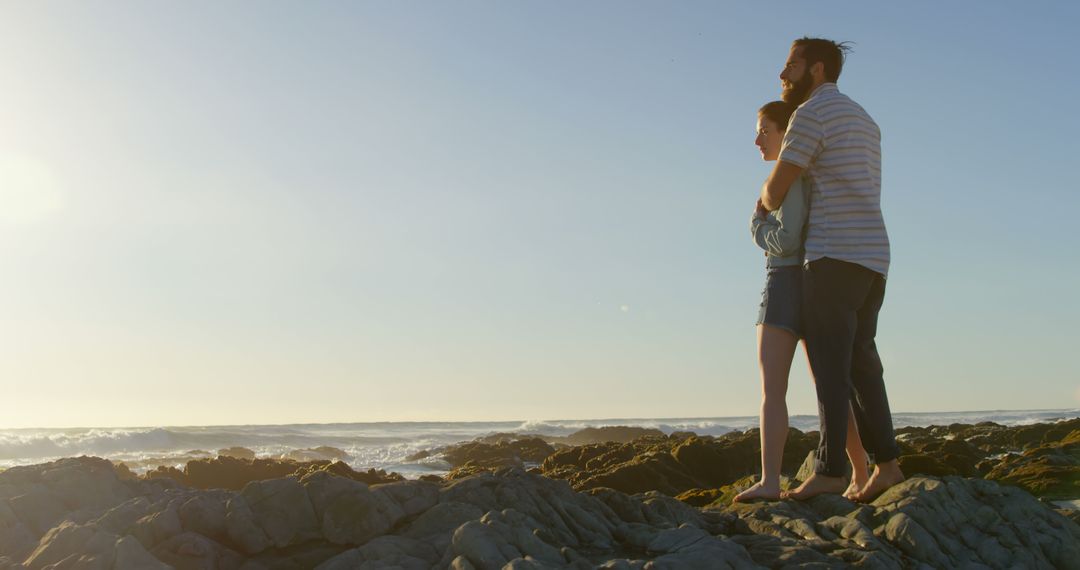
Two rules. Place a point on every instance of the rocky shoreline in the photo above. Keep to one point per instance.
(980, 495)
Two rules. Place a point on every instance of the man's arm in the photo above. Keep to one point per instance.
(776, 187)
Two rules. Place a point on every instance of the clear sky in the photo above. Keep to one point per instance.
(275, 212)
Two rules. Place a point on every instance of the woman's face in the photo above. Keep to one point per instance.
(769, 138)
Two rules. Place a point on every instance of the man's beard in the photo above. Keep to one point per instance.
(799, 90)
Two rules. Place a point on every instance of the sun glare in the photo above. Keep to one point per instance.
(28, 190)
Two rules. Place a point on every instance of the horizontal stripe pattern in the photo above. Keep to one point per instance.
(839, 146)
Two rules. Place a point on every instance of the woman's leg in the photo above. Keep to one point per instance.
(776, 347)
(857, 455)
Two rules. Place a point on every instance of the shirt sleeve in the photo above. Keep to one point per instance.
(803, 139)
(781, 233)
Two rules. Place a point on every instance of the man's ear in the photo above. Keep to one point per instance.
(817, 71)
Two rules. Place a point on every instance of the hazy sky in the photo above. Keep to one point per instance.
(274, 212)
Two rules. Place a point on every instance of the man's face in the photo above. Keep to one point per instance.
(795, 78)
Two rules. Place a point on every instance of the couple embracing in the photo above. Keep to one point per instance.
(827, 255)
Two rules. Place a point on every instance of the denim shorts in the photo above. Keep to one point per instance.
(781, 301)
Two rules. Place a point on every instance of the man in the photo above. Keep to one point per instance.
(838, 145)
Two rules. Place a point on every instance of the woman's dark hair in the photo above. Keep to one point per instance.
(778, 112)
(831, 54)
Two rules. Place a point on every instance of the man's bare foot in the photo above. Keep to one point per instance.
(857, 483)
(759, 491)
(817, 484)
(885, 475)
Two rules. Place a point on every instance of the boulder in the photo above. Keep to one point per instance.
(194, 551)
(282, 509)
(499, 454)
(386, 552)
(237, 453)
(321, 453)
(1051, 471)
(615, 434)
(347, 511)
(224, 472)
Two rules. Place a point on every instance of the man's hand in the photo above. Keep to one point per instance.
(774, 191)
(759, 210)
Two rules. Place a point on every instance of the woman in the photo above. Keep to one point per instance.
(781, 235)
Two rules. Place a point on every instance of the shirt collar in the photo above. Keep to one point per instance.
(823, 88)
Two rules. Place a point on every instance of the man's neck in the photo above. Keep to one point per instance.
(814, 89)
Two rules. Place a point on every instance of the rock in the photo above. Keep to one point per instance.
(691, 547)
(949, 522)
(510, 518)
(342, 469)
(919, 464)
(347, 511)
(701, 497)
(38, 509)
(16, 539)
(413, 497)
(123, 517)
(75, 544)
(613, 434)
(85, 483)
(998, 526)
(386, 552)
(1051, 471)
(436, 525)
(282, 508)
(195, 551)
(669, 465)
(225, 472)
(237, 453)
(204, 514)
(571, 519)
(242, 529)
(501, 537)
(321, 453)
(422, 454)
(131, 554)
(515, 453)
(40, 496)
(161, 525)
(722, 461)
(9, 564)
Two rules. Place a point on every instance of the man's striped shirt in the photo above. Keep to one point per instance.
(839, 146)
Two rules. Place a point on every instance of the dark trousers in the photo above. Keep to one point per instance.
(841, 301)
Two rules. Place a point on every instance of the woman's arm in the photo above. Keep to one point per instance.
(782, 236)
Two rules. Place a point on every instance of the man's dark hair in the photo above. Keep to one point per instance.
(828, 52)
(778, 112)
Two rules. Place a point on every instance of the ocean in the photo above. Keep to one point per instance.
(386, 445)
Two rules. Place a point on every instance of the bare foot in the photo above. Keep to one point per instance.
(885, 475)
(759, 491)
(857, 483)
(816, 485)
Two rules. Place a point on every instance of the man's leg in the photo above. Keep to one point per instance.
(833, 292)
(871, 402)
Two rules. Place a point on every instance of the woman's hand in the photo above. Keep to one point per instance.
(759, 210)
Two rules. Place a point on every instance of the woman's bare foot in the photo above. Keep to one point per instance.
(759, 491)
(885, 475)
(857, 483)
(816, 485)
